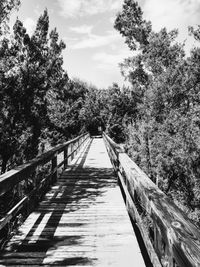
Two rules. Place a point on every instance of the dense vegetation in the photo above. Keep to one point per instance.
(163, 137)
(157, 116)
(39, 104)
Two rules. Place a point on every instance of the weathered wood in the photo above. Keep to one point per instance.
(113, 150)
(65, 157)
(115, 147)
(82, 221)
(13, 212)
(137, 218)
(176, 238)
(54, 168)
(14, 177)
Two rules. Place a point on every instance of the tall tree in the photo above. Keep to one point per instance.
(131, 24)
(64, 111)
(6, 6)
(29, 68)
(164, 136)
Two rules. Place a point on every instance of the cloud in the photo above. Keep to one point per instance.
(91, 40)
(172, 14)
(116, 5)
(30, 25)
(112, 20)
(109, 61)
(83, 29)
(74, 8)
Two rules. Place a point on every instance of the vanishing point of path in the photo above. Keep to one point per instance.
(82, 220)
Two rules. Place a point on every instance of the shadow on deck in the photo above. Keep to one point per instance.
(61, 231)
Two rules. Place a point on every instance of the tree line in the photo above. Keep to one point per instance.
(39, 104)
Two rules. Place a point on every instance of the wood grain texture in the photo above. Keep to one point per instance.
(26, 199)
(137, 218)
(82, 221)
(14, 176)
(176, 238)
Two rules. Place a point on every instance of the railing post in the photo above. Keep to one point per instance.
(78, 148)
(53, 168)
(73, 147)
(157, 242)
(65, 157)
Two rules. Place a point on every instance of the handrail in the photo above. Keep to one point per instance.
(21, 174)
(14, 176)
(114, 151)
(170, 237)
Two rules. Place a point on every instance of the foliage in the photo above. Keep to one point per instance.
(64, 111)
(93, 112)
(132, 26)
(163, 136)
(6, 6)
(29, 68)
(110, 109)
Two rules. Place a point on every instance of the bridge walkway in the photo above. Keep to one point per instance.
(82, 220)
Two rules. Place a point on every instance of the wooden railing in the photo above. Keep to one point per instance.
(171, 239)
(23, 187)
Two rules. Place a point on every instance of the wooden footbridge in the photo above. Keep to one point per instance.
(86, 203)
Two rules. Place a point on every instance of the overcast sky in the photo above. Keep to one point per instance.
(94, 47)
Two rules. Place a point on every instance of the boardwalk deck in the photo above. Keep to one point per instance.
(82, 221)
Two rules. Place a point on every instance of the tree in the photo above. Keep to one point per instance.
(44, 73)
(163, 137)
(11, 123)
(6, 6)
(92, 112)
(64, 111)
(30, 67)
(132, 26)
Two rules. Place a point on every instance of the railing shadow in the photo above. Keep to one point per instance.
(77, 189)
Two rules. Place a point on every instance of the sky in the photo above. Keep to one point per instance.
(94, 48)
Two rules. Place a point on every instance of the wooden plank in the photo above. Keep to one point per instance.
(13, 177)
(13, 212)
(176, 238)
(80, 225)
(137, 218)
(177, 230)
